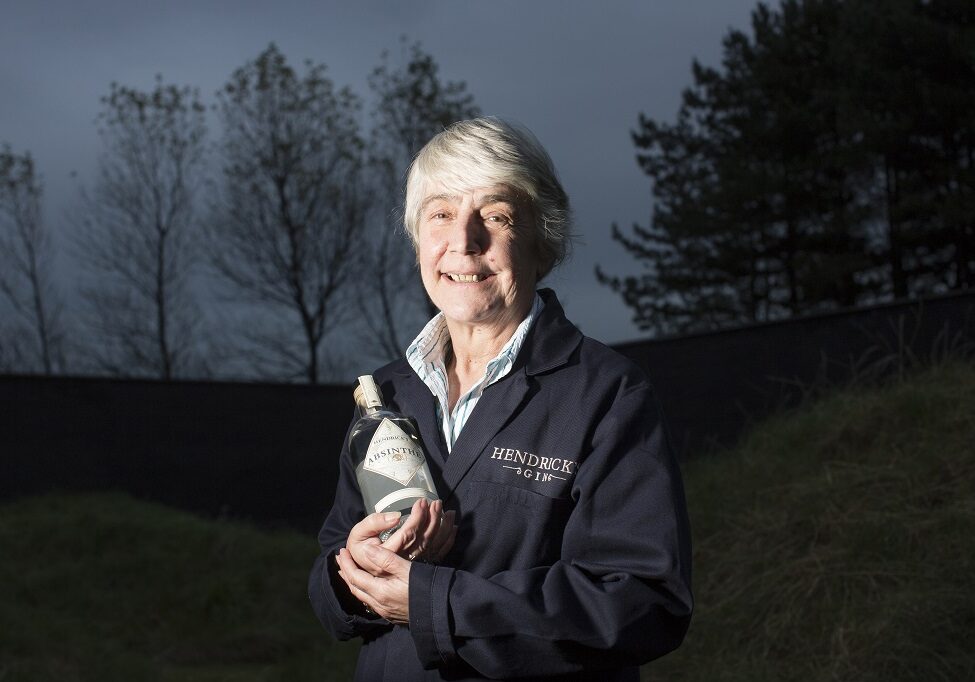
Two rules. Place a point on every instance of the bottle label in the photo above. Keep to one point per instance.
(393, 454)
(403, 494)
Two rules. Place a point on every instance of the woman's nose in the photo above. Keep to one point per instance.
(467, 234)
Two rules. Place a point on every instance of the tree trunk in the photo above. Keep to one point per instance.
(898, 278)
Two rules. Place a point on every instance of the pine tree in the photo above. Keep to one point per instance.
(827, 163)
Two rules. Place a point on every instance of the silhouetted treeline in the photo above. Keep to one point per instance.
(829, 162)
(243, 253)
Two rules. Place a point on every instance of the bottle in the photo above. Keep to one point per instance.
(388, 456)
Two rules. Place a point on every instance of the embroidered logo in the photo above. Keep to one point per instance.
(534, 467)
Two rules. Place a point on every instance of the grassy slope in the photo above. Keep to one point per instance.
(107, 588)
(838, 543)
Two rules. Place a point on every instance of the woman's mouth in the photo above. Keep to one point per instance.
(457, 277)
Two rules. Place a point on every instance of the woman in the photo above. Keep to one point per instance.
(571, 549)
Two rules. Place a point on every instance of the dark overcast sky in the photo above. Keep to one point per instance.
(577, 73)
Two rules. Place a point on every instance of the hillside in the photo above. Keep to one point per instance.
(838, 542)
(104, 588)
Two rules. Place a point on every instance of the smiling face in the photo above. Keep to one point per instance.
(477, 255)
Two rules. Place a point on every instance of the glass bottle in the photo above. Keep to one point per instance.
(388, 456)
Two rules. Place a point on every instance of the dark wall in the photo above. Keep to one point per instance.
(712, 386)
(267, 452)
(255, 451)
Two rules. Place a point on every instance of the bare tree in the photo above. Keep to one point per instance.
(136, 233)
(411, 105)
(290, 210)
(35, 338)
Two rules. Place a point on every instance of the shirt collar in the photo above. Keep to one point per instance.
(427, 353)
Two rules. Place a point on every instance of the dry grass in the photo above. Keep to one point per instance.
(102, 587)
(838, 542)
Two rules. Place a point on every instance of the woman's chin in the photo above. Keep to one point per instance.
(471, 313)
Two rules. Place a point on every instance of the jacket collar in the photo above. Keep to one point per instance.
(549, 345)
(552, 339)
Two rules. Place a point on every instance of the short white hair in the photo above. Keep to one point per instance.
(484, 152)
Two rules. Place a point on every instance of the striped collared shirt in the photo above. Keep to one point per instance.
(426, 356)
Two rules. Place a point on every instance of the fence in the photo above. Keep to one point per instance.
(713, 385)
(262, 452)
(266, 452)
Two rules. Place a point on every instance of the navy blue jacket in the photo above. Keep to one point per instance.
(573, 548)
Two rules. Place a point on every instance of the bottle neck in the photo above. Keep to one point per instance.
(365, 410)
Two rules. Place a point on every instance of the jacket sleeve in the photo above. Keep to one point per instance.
(339, 612)
(619, 594)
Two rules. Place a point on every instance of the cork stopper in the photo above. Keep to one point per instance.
(367, 393)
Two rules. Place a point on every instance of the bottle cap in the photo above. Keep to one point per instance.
(367, 393)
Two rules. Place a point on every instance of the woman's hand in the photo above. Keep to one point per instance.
(377, 574)
(366, 533)
(381, 582)
(427, 535)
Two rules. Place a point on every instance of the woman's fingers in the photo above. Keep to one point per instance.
(438, 535)
(382, 586)
(405, 539)
(354, 578)
(371, 526)
(447, 533)
(367, 531)
(427, 535)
